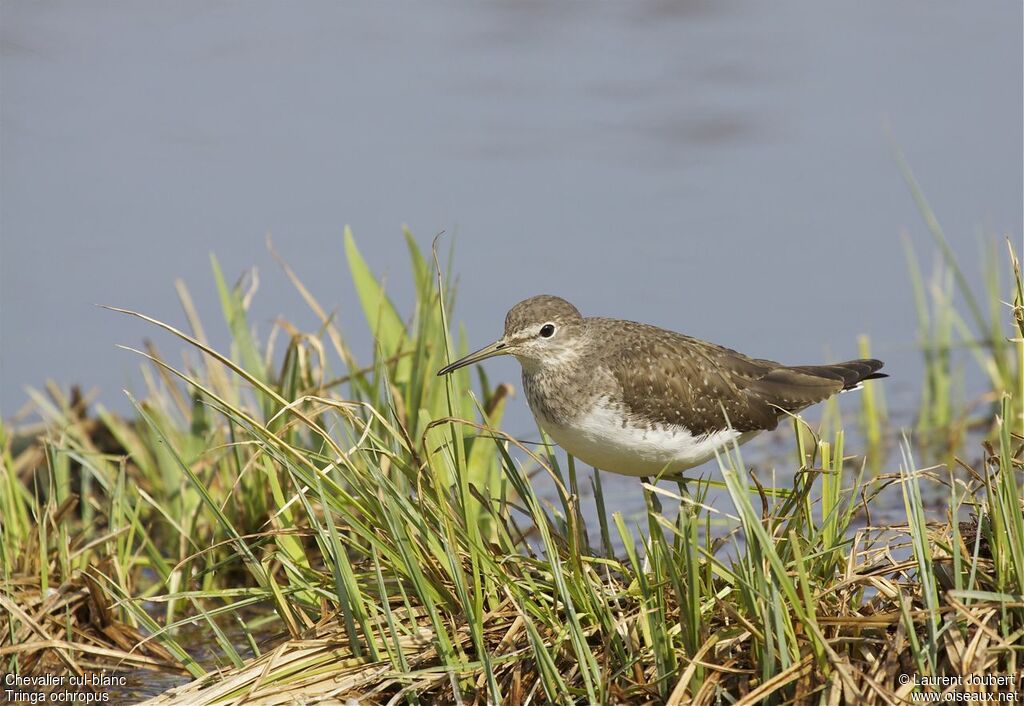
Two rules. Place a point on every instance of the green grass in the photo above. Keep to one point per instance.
(392, 540)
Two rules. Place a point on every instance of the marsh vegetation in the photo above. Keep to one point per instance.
(338, 528)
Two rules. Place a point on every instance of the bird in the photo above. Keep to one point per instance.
(638, 400)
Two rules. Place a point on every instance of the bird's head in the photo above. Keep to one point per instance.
(539, 331)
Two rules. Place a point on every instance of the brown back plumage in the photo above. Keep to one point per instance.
(669, 378)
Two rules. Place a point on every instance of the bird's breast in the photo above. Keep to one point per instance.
(559, 395)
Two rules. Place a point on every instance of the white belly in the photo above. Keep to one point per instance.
(601, 440)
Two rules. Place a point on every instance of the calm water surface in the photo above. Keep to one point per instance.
(725, 169)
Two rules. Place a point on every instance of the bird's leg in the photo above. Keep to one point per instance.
(652, 499)
(681, 483)
(602, 515)
(687, 519)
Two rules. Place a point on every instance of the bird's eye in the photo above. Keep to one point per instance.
(547, 330)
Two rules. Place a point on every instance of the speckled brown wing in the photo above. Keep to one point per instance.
(670, 378)
(675, 379)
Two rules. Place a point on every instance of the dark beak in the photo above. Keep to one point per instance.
(496, 348)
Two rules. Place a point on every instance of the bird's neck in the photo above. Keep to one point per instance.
(558, 389)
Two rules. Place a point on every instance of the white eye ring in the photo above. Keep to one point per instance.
(547, 330)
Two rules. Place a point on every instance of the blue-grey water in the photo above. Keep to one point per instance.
(721, 168)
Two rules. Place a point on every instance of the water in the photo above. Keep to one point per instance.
(718, 168)
(724, 169)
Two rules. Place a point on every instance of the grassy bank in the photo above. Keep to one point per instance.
(363, 529)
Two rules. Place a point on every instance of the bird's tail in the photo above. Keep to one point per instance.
(853, 373)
